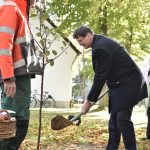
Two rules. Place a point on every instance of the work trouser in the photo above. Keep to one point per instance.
(20, 104)
(120, 123)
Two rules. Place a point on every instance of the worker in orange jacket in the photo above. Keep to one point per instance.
(18, 63)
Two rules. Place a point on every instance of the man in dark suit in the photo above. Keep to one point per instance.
(113, 65)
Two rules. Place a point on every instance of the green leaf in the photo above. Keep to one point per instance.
(51, 62)
(54, 52)
(47, 53)
(33, 15)
(42, 42)
(38, 34)
(41, 54)
(64, 43)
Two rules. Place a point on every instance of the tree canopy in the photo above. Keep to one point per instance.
(125, 20)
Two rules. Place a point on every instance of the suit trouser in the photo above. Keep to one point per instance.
(20, 104)
(148, 123)
(120, 123)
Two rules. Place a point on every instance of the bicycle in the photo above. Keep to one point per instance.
(48, 100)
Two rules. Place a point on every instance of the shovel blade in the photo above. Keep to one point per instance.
(59, 122)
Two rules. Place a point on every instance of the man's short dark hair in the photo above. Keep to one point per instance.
(82, 31)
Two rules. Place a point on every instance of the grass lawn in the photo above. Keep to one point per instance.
(90, 135)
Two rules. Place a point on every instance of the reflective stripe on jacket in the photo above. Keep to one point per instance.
(17, 52)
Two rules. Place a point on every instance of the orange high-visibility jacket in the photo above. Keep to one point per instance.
(17, 53)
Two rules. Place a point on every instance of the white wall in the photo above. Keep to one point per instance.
(58, 77)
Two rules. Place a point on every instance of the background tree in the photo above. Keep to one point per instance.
(125, 20)
(46, 37)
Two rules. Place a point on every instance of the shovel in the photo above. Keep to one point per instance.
(59, 122)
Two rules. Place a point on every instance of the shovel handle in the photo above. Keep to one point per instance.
(79, 115)
(76, 117)
(106, 91)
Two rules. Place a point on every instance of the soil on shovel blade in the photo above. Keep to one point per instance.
(59, 122)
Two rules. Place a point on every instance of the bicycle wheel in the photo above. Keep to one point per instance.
(33, 102)
(49, 103)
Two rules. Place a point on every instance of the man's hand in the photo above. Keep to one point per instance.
(10, 88)
(86, 107)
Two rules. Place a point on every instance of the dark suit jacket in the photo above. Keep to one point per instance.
(112, 64)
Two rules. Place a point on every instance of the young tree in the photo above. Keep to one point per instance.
(46, 36)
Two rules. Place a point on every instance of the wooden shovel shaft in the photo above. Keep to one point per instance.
(106, 91)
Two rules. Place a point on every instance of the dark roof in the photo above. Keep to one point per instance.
(65, 38)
